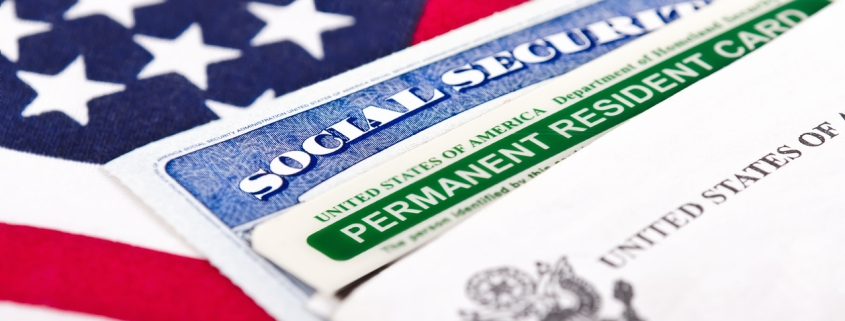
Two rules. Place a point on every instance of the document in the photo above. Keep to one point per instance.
(393, 209)
(724, 202)
(215, 183)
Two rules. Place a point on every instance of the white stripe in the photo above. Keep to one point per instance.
(23, 312)
(79, 198)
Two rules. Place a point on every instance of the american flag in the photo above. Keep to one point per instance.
(84, 81)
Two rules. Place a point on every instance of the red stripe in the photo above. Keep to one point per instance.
(95, 276)
(441, 16)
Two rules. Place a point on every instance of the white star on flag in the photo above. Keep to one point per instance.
(298, 22)
(68, 91)
(224, 110)
(12, 29)
(121, 11)
(186, 55)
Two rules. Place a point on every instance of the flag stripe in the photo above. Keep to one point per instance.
(98, 206)
(95, 276)
(441, 16)
(18, 312)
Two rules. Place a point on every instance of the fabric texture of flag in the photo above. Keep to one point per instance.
(84, 81)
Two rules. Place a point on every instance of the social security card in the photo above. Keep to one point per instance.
(265, 168)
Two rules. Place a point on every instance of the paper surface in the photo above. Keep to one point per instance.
(721, 203)
(395, 208)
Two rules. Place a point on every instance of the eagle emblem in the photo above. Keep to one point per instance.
(557, 294)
